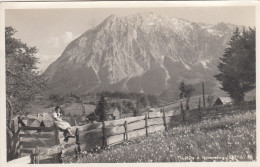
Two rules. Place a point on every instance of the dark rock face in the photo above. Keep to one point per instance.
(139, 53)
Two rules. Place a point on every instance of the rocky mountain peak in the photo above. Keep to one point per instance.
(145, 52)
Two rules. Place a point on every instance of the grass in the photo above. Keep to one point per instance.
(231, 138)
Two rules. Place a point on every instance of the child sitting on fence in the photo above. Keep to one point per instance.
(62, 125)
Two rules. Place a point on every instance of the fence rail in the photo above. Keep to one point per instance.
(45, 129)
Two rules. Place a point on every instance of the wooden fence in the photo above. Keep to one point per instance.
(108, 133)
(43, 145)
(42, 137)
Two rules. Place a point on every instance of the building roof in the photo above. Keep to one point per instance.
(31, 117)
(36, 120)
(224, 100)
(33, 123)
(48, 123)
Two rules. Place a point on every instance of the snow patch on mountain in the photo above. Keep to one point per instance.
(204, 64)
(185, 65)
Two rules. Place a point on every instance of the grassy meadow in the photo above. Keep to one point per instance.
(230, 138)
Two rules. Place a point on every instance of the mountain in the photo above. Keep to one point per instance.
(140, 53)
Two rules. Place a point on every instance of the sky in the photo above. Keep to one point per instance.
(51, 30)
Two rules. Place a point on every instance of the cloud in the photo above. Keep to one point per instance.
(45, 60)
(67, 37)
(53, 49)
(63, 40)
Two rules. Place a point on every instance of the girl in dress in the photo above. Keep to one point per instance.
(62, 125)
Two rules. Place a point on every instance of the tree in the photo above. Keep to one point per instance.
(102, 108)
(189, 89)
(23, 81)
(153, 100)
(186, 92)
(137, 112)
(144, 101)
(237, 67)
(210, 99)
(92, 117)
(139, 105)
(131, 105)
(58, 99)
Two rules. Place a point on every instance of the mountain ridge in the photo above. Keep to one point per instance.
(139, 53)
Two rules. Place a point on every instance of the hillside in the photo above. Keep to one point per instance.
(139, 53)
(211, 140)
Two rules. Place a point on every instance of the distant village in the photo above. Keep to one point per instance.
(77, 113)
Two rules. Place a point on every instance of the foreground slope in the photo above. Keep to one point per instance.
(231, 138)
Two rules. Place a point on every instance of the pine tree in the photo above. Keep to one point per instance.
(102, 108)
(237, 66)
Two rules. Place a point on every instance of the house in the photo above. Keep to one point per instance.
(114, 113)
(47, 123)
(40, 119)
(223, 101)
(33, 122)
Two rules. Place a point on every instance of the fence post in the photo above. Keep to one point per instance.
(183, 113)
(203, 95)
(164, 120)
(146, 124)
(77, 140)
(57, 141)
(56, 135)
(19, 150)
(200, 114)
(35, 156)
(60, 157)
(104, 142)
(76, 153)
(126, 132)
